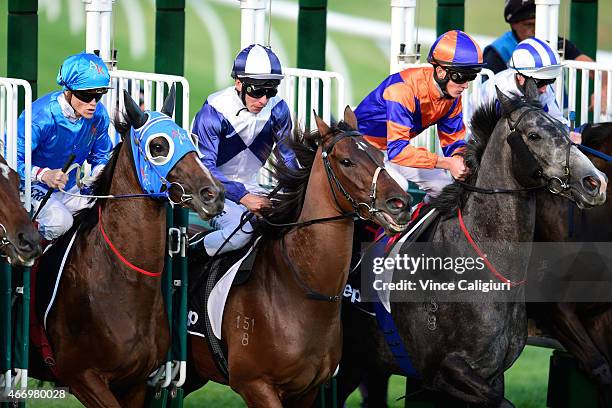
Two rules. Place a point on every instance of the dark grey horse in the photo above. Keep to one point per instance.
(471, 344)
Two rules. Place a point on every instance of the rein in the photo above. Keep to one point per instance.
(482, 255)
(116, 251)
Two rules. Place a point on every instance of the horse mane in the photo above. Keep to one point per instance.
(482, 124)
(288, 202)
(87, 218)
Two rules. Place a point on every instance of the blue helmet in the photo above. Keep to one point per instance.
(83, 71)
(257, 62)
(535, 58)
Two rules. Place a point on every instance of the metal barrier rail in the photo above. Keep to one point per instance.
(294, 90)
(9, 116)
(147, 89)
(569, 85)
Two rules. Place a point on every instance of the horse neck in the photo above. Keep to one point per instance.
(136, 226)
(321, 252)
(500, 217)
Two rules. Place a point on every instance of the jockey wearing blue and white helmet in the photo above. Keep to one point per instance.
(532, 58)
(65, 122)
(237, 128)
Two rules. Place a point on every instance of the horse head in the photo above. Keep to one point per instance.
(167, 160)
(542, 151)
(358, 178)
(19, 240)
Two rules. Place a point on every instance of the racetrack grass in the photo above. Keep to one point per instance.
(526, 383)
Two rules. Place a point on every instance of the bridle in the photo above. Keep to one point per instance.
(4, 241)
(370, 207)
(554, 184)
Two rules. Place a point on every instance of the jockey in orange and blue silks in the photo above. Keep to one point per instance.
(408, 102)
(65, 122)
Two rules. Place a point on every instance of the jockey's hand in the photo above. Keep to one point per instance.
(55, 178)
(255, 203)
(455, 165)
(575, 137)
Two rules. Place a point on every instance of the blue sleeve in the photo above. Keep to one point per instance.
(37, 138)
(282, 132)
(208, 125)
(102, 146)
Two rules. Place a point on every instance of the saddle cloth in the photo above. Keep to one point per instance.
(237, 266)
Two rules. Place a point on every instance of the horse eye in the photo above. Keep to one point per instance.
(534, 136)
(346, 162)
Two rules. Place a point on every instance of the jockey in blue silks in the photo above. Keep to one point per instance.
(65, 122)
(236, 130)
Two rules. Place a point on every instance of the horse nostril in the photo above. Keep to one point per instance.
(209, 194)
(591, 183)
(396, 204)
(27, 242)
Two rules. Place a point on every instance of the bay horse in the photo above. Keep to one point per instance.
(584, 329)
(108, 326)
(461, 350)
(291, 303)
(19, 239)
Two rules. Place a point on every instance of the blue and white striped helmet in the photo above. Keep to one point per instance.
(534, 58)
(257, 62)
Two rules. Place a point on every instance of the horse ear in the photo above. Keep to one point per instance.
(135, 114)
(531, 89)
(504, 101)
(350, 118)
(168, 107)
(322, 127)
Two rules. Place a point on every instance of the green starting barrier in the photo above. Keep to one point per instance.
(165, 386)
(568, 387)
(15, 326)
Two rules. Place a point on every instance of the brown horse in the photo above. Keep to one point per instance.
(584, 329)
(281, 343)
(19, 240)
(108, 327)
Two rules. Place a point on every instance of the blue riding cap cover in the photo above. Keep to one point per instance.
(83, 71)
(152, 172)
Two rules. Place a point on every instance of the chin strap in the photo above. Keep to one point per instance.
(442, 82)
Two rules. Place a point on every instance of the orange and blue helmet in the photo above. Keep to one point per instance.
(456, 49)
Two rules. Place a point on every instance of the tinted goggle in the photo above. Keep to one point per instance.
(89, 95)
(260, 91)
(460, 77)
(544, 82)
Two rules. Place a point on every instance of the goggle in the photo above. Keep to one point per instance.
(88, 96)
(258, 92)
(544, 82)
(460, 77)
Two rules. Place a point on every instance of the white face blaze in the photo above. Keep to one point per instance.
(5, 170)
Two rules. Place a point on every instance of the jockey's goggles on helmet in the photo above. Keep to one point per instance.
(89, 94)
(259, 91)
(460, 77)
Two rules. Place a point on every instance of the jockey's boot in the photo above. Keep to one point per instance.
(197, 249)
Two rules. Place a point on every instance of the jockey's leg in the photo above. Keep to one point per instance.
(431, 181)
(54, 218)
(224, 224)
(74, 204)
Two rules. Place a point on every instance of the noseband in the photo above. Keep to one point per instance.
(370, 208)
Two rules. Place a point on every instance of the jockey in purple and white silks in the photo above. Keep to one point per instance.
(236, 130)
(532, 58)
(65, 122)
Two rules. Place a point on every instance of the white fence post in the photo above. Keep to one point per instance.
(148, 90)
(9, 114)
(574, 71)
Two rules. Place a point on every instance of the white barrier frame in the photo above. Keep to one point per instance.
(120, 80)
(569, 77)
(9, 117)
(287, 91)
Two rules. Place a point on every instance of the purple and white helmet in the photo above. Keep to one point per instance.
(257, 62)
(536, 59)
